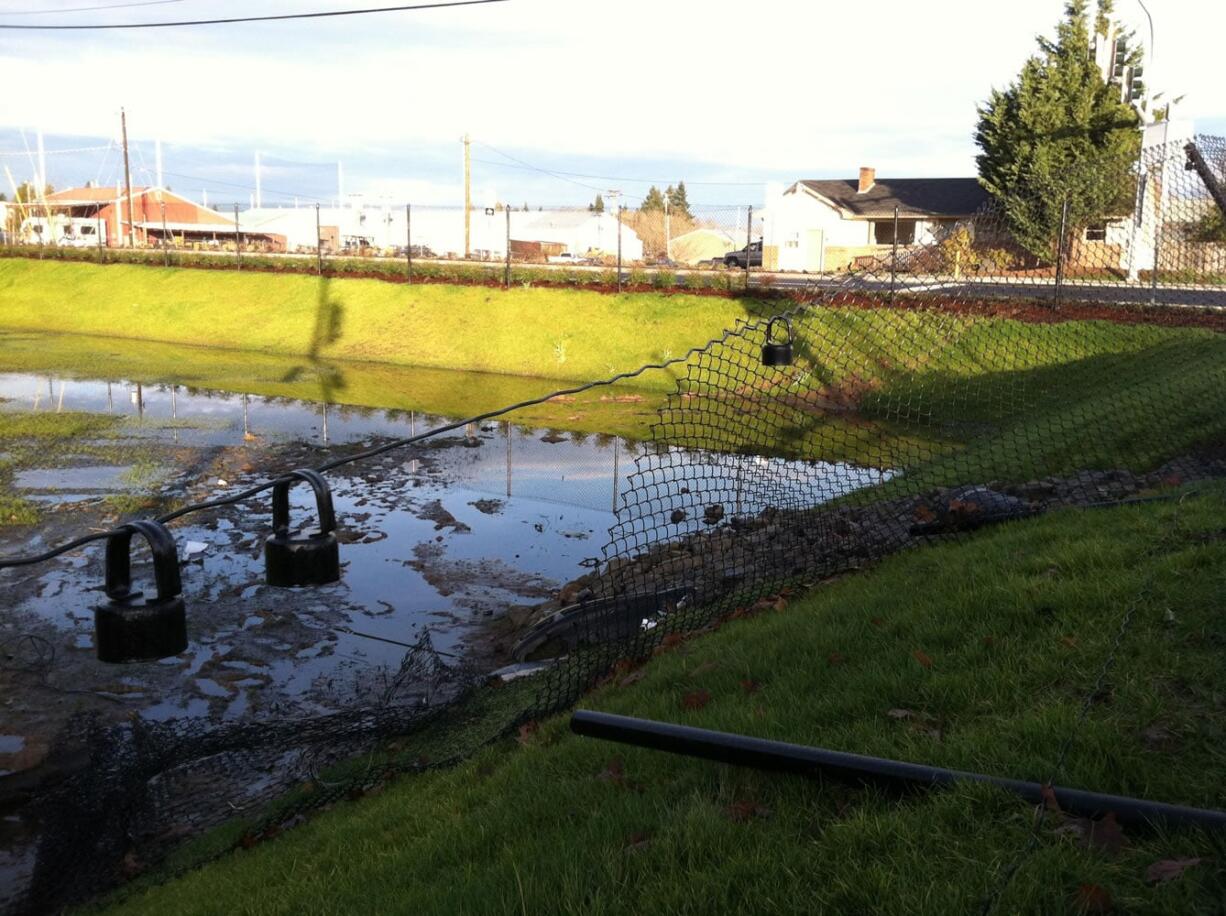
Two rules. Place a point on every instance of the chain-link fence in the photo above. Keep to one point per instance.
(958, 376)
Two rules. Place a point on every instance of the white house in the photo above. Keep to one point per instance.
(825, 225)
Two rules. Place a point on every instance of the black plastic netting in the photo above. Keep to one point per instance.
(952, 380)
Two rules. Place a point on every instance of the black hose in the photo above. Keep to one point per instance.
(760, 753)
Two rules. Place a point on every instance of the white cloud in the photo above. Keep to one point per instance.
(767, 85)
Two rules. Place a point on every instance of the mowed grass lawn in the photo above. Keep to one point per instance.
(977, 656)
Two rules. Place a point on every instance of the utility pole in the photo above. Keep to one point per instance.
(157, 162)
(668, 242)
(40, 189)
(127, 176)
(468, 196)
(258, 201)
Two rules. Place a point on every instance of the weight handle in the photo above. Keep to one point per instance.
(118, 585)
(323, 501)
(770, 329)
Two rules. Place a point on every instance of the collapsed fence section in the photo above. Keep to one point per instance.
(885, 413)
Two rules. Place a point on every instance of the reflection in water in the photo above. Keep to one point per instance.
(573, 469)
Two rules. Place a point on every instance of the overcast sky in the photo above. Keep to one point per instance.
(703, 90)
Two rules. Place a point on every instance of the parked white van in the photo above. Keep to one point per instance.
(61, 231)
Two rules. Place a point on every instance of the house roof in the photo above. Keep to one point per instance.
(952, 197)
(560, 219)
(84, 197)
(90, 195)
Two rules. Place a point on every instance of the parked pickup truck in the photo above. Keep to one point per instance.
(737, 258)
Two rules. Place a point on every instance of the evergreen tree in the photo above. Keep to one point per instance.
(678, 202)
(1059, 132)
(653, 201)
(597, 206)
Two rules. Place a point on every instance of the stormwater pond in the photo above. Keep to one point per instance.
(441, 537)
(441, 542)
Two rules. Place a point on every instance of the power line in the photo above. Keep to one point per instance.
(535, 168)
(87, 9)
(277, 18)
(623, 178)
(55, 152)
(241, 187)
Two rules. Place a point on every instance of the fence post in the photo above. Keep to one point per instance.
(1160, 191)
(408, 243)
(165, 241)
(894, 258)
(1060, 250)
(319, 245)
(238, 241)
(506, 273)
(748, 245)
(620, 209)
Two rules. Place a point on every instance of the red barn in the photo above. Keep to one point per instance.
(154, 214)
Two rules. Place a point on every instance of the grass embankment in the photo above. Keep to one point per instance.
(985, 668)
(931, 385)
(555, 334)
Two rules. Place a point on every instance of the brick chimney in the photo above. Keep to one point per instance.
(868, 178)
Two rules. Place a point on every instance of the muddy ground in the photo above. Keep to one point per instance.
(254, 650)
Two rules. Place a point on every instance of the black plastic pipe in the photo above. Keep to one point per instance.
(897, 775)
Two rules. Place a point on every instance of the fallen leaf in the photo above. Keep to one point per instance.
(899, 713)
(632, 678)
(1091, 898)
(1105, 835)
(696, 700)
(836, 658)
(526, 731)
(989, 641)
(923, 514)
(744, 811)
(1049, 799)
(614, 773)
(637, 841)
(131, 865)
(1169, 869)
(877, 621)
(920, 656)
(1070, 641)
(1157, 736)
(703, 668)
(750, 686)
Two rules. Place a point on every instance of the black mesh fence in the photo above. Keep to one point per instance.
(965, 372)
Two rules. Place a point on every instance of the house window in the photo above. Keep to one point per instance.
(883, 231)
(1096, 232)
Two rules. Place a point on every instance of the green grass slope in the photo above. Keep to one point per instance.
(549, 333)
(977, 656)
